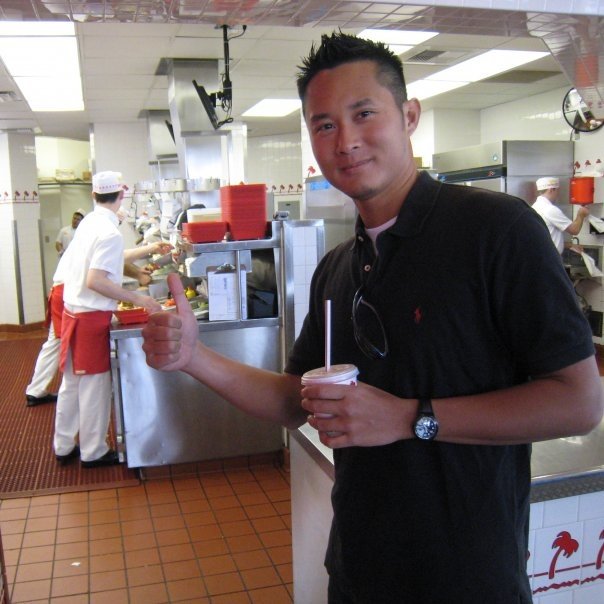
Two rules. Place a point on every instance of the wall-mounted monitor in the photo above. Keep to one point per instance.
(208, 105)
(170, 129)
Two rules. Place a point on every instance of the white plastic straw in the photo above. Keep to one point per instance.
(327, 335)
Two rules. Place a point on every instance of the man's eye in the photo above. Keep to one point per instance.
(323, 127)
(365, 113)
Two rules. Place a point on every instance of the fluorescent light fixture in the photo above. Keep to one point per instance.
(398, 41)
(37, 28)
(56, 56)
(486, 65)
(43, 60)
(46, 94)
(273, 108)
(478, 68)
(424, 89)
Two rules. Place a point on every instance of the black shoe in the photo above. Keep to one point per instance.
(111, 458)
(65, 459)
(32, 401)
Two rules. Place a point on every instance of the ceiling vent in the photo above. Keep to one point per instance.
(435, 57)
(8, 96)
(426, 56)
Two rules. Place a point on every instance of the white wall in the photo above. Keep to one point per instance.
(537, 117)
(20, 256)
(122, 147)
(61, 154)
(274, 160)
(444, 130)
(423, 138)
(454, 128)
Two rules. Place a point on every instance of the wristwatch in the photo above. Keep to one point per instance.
(425, 426)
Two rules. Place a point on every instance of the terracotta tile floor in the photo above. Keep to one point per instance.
(218, 538)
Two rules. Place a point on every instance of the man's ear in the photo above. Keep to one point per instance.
(411, 112)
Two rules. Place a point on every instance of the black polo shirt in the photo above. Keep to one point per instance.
(474, 298)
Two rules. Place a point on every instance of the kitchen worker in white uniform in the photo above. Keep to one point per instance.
(66, 234)
(47, 363)
(556, 220)
(92, 277)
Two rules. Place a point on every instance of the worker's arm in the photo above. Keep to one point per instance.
(98, 281)
(146, 251)
(574, 228)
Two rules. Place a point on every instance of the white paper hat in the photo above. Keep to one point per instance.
(548, 182)
(107, 182)
(80, 212)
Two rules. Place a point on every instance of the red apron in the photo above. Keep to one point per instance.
(87, 334)
(54, 308)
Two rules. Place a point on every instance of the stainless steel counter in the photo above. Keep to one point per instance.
(568, 466)
(169, 417)
(559, 468)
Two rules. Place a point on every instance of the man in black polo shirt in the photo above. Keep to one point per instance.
(456, 309)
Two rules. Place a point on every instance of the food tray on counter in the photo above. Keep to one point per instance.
(130, 316)
(204, 232)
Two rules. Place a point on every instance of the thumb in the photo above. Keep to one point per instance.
(178, 293)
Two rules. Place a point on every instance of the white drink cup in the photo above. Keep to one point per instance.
(336, 374)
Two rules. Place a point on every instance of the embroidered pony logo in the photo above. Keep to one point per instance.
(417, 315)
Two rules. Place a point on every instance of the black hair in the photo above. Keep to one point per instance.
(339, 48)
(106, 197)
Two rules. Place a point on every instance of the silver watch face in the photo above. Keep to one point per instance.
(426, 427)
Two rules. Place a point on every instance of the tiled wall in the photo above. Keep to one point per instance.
(573, 526)
(305, 261)
(566, 544)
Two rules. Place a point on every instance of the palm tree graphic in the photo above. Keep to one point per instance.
(601, 552)
(566, 545)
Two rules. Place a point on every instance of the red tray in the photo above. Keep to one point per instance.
(248, 229)
(204, 232)
(131, 316)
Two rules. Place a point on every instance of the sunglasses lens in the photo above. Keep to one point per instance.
(369, 331)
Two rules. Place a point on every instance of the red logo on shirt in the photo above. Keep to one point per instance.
(417, 315)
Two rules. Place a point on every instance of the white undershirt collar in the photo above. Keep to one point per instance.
(375, 231)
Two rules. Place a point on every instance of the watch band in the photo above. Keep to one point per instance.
(425, 426)
(425, 407)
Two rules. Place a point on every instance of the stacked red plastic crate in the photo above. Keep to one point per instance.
(205, 231)
(244, 209)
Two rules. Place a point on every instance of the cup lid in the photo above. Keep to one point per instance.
(341, 372)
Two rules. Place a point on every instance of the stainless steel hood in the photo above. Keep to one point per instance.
(161, 144)
(205, 154)
(186, 110)
(509, 166)
(198, 145)
(517, 157)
